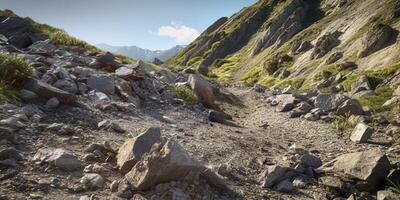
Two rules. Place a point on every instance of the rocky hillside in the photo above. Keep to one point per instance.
(142, 54)
(305, 44)
(80, 123)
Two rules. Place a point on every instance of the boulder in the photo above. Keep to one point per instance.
(125, 72)
(176, 165)
(387, 195)
(108, 61)
(60, 158)
(52, 103)
(380, 36)
(325, 44)
(203, 90)
(273, 175)
(360, 85)
(92, 181)
(350, 107)
(285, 186)
(46, 91)
(301, 46)
(28, 96)
(102, 83)
(133, 149)
(334, 57)
(328, 102)
(216, 116)
(361, 133)
(309, 160)
(67, 85)
(369, 168)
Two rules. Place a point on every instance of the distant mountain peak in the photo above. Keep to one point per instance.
(141, 53)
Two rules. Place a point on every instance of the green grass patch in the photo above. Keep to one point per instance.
(227, 67)
(375, 77)
(14, 71)
(375, 102)
(7, 94)
(252, 76)
(185, 93)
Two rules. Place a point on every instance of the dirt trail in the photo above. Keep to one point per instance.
(256, 136)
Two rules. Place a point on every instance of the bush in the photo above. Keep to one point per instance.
(6, 94)
(14, 70)
(185, 93)
(13, 73)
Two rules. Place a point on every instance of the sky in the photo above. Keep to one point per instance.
(150, 24)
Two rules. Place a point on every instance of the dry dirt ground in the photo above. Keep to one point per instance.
(255, 137)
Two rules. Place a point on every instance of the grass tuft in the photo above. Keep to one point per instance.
(185, 93)
(14, 71)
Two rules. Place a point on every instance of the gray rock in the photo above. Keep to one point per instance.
(176, 165)
(328, 102)
(285, 186)
(216, 116)
(13, 122)
(98, 96)
(9, 153)
(47, 91)
(108, 61)
(285, 106)
(107, 124)
(387, 195)
(28, 96)
(133, 149)
(259, 88)
(66, 85)
(60, 158)
(311, 117)
(203, 90)
(273, 175)
(361, 133)
(334, 57)
(379, 37)
(102, 83)
(370, 168)
(124, 72)
(325, 44)
(360, 85)
(92, 181)
(52, 103)
(305, 107)
(309, 160)
(350, 107)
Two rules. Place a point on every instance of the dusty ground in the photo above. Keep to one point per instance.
(242, 145)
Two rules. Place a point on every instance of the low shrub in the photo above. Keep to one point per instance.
(185, 93)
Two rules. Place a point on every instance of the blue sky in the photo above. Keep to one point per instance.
(152, 24)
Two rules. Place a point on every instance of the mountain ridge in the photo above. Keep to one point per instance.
(136, 52)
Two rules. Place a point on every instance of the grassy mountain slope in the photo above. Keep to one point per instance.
(257, 45)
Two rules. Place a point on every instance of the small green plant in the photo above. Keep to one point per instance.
(342, 123)
(6, 94)
(185, 93)
(13, 73)
(14, 70)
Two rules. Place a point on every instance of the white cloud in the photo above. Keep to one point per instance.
(181, 34)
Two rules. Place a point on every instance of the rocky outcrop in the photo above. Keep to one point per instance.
(379, 37)
(20, 32)
(284, 26)
(368, 168)
(133, 149)
(47, 91)
(325, 44)
(203, 90)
